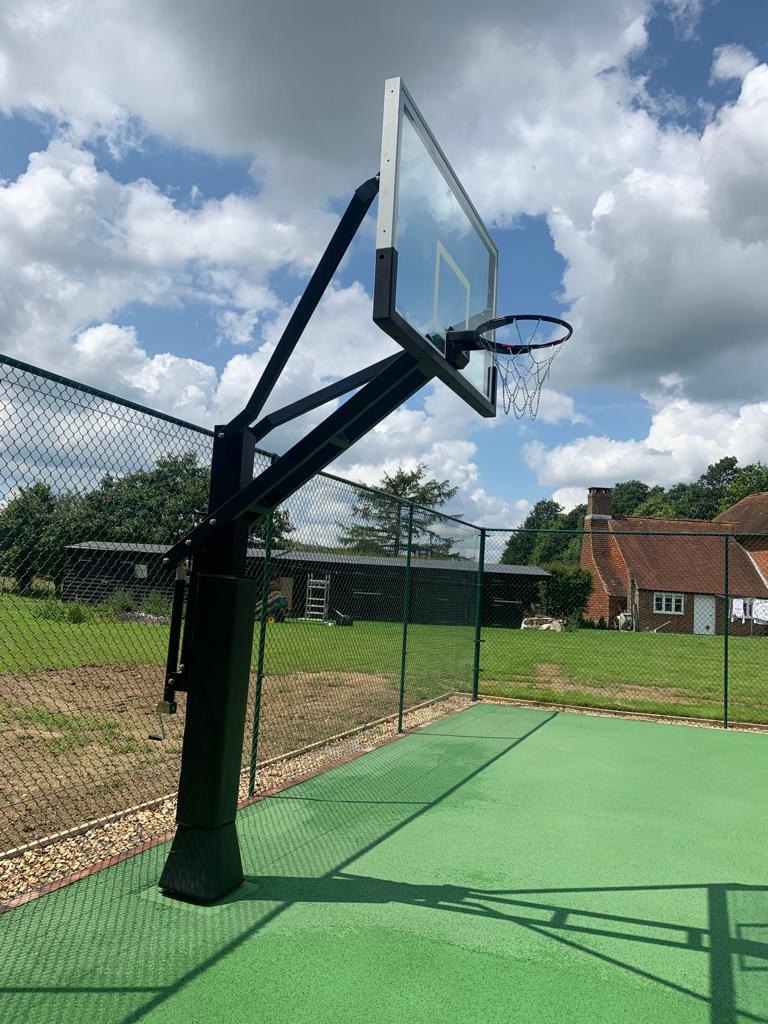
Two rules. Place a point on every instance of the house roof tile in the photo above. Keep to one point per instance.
(750, 515)
(689, 564)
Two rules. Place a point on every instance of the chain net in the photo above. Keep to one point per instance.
(521, 376)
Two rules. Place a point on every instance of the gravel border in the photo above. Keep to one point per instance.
(52, 862)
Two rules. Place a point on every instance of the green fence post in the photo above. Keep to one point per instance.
(406, 617)
(726, 621)
(478, 615)
(260, 654)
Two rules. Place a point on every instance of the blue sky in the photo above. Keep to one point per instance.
(174, 211)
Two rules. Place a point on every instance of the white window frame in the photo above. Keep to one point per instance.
(664, 597)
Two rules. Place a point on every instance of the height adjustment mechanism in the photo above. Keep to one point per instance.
(174, 672)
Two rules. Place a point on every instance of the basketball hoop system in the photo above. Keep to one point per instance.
(522, 365)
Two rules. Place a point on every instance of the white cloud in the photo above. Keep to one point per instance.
(570, 497)
(685, 15)
(735, 158)
(668, 276)
(732, 61)
(683, 439)
(226, 80)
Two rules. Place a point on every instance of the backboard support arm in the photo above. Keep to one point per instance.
(304, 405)
(340, 242)
(402, 377)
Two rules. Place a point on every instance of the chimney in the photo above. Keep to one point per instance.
(600, 503)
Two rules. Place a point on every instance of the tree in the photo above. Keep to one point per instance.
(565, 591)
(159, 505)
(702, 499)
(519, 549)
(627, 496)
(563, 544)
(720, 475)
(655, 505)
(380, 525)
(752, 479)
(35, 528)
(154, 506)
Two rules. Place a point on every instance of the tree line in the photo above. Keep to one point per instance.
(719, 487)
(160, 504)
(152, 506)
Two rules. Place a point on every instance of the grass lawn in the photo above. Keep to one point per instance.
(667, 674)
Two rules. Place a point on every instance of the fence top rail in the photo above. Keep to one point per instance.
(76, 385)
(394, 498)
(87, 389)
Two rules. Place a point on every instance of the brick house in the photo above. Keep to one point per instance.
(676, 583)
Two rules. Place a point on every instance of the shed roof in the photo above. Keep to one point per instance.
(333, 558)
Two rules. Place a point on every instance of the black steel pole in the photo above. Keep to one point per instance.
(347, 424)
(204, 861)
(318, 398)
(478, 616)
(265, 578)
(406, 617)
(726, 630)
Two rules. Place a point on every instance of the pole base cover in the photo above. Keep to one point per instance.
(204, 864)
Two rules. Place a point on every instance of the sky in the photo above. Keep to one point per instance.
(170, 172)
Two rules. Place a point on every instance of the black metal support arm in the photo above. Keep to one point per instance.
(400, 379)
(327, 394)
(329, 263)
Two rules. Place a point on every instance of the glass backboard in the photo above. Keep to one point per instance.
(436, 264)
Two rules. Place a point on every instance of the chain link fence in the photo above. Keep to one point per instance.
(652, 622)
(374, 616)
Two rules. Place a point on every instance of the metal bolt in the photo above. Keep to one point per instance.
(188, 543)
(181, 668)
(220, 434)
(166, 561)
(212, 522)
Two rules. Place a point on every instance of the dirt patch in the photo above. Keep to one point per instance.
(303, 707)
(75, 741)
(44, 867)
(549, 677)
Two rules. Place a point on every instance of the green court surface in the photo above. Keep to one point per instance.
(504, 864)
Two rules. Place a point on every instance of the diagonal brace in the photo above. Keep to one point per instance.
(403, 377)
(326, 394)
(329, 262)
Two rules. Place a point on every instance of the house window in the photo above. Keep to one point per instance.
(140, 570)
(668, 604)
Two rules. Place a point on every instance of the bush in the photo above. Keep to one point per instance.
(77, 612)
(119, 601)
(601, 623)
(62, 611)
(156, 604)
(564, 594)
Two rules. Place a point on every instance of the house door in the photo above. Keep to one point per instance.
(704, 614)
